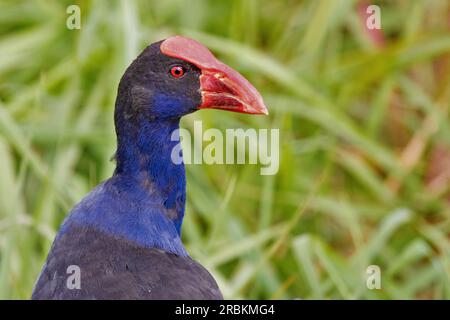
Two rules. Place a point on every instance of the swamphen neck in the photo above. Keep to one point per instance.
(144, 201)
(144, 162)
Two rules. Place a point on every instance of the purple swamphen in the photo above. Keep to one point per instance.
(124, 236)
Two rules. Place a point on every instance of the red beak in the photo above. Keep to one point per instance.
(221, 86)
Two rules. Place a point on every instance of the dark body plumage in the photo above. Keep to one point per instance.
(122, 269)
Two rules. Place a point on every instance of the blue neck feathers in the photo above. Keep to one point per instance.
(144, 156)
(144, 200)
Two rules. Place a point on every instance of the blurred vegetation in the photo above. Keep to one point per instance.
(364, 126)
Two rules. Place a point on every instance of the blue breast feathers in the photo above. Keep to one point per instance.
(123, 208)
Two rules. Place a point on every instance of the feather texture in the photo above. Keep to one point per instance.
(115, 268)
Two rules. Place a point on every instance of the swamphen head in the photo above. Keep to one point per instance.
(179, 75)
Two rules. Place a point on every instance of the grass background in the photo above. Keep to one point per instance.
(364, 128)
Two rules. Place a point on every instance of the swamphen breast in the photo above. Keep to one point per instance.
(124, 236)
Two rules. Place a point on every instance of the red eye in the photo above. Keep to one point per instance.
(177, 71)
